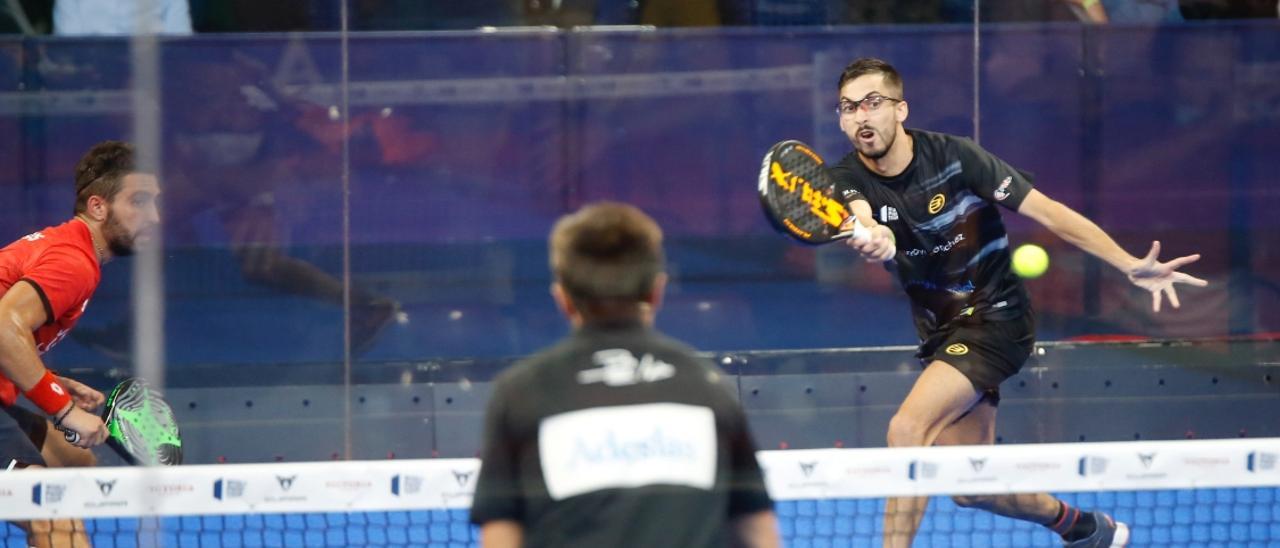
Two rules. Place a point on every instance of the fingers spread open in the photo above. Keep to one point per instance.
(1182, 261)
(1173, 296)
(1179, 277)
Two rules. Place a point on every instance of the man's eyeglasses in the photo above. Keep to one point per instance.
(866, 104)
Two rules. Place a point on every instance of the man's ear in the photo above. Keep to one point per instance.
(901, 111)
(96, 207)
(563, 302)
(657, 292)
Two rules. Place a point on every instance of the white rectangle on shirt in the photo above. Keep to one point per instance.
(628, 446)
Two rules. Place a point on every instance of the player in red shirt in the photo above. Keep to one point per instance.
(47, 278)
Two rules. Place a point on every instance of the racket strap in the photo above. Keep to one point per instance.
(48, 394)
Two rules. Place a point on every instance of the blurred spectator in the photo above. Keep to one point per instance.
(420, 15)
(680, 13)
(1088, 11)
(1027, 10)
(253, 16)
(658, 13)
(1229, 9)
(900, 11)
(120, 17)
(26, 16)
(1142, 11)
(570, 13)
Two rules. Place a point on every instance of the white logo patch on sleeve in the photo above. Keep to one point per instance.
(628, 446)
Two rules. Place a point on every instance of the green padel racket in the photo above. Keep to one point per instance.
(141, 425)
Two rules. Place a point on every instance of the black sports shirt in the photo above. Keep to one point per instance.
(617, 437)
(953, 252)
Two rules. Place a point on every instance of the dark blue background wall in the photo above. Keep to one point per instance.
(464, 147)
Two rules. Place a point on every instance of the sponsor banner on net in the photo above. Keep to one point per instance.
(239, 488)
(790, 475)
(1022, 468)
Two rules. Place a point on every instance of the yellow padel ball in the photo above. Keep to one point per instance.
(1030, 261)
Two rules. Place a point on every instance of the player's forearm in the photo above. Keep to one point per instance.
(501, 534)
(862, 210)
(1079, 231)
(18, 356)
(21, 364)
(758, 530)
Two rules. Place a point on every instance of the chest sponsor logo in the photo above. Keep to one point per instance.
(887, 214)
(619, 367)
(1002, 191)
(33, 236)
(936, 203)
(958, 349)
(945, 247)
(628, 446)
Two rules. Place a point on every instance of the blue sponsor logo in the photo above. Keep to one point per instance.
(1259, 461)
(1092, 466)
(228, 489)
(656, 446)
(405, 485)
(920, 469)
(43, 494)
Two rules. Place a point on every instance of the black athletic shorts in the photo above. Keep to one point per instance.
(986, 351)
(22, 433)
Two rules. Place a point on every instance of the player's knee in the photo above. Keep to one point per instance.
(81, 458)
(907, 431)
(972, 501)
(58, 453)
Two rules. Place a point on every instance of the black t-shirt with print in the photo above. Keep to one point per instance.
(617, 436)
(953, 255)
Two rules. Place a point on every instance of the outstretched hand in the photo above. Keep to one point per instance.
(1158, 278)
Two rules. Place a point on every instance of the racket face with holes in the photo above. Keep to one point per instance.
(798, 195)
(141, 425)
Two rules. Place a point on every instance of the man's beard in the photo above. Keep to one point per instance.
(119, 241)
(888, 144)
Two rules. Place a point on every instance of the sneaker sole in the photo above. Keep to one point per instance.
(1121, 537)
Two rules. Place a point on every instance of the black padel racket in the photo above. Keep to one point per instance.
(799, 198)
(141, 425)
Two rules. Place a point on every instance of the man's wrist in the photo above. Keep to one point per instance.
(49, 395)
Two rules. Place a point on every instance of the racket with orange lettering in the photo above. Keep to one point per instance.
(799, 197)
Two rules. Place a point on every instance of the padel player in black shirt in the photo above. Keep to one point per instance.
(934, 198)
(617, 436)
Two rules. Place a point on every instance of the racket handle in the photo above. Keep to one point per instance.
(861, 231)
(70, 435)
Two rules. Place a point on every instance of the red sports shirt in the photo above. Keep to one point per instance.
(60, 263)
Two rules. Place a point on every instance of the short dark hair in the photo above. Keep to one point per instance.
(605, 254)
(101, 170)
(870, 65)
